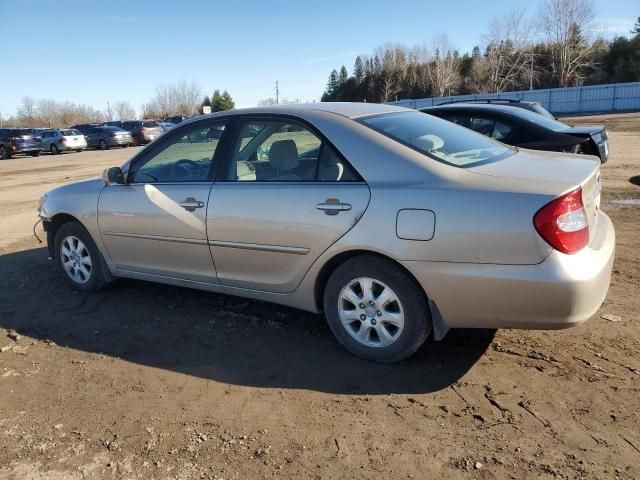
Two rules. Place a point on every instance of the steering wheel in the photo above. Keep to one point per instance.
(178, 169)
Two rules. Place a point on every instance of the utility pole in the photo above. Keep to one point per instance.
(277, 94)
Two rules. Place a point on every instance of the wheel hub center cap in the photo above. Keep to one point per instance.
(370, 312)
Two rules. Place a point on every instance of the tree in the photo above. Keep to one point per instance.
(27, 111)
(205, 103)
(636, 28)
(475, 53)
(221, 101)
(333, 84)
(343, 76)
(358, 69)
(562, 23)
(506, 50)
(124, 110)
(443, 67)
(47, 110)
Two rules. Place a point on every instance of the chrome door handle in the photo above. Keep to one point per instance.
(190, 204)
(332, 206)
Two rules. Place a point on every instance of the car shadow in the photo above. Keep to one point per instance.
(219, 337)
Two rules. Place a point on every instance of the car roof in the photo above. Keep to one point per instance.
(346, 109)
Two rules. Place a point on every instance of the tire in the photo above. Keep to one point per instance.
(103, 145)
(76, 240)
(36, 154)
(403, 320)
(4, 153)
(79, 150)
(54, 149)
(135, 142)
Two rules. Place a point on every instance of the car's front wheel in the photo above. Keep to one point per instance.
(376, 310)
(4, 153)
(54, 149)
(78, 258)
(103, 145)
(35, 154)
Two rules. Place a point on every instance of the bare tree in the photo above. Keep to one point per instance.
(124, 110)
(443, 69)
(507, 50)
(563, 24)
(27, 111)
(181, 98)
(47, 111)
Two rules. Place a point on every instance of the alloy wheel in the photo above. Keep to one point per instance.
(371, 312)
(75, 259)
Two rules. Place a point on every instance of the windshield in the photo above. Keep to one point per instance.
(441, 140)
(538, 119)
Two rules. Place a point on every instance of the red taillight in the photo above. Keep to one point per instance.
(563, 223)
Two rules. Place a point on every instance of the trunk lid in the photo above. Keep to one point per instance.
(566, 170)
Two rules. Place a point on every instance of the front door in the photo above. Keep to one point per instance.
(156, 222)
(288, 196)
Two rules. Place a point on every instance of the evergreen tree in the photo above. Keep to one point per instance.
(333, 84)
(636, 28)
(205, 103)
(344, 75)
(221, 102)
(475, 53)
(358, 69)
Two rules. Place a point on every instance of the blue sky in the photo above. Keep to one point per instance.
(94, 52)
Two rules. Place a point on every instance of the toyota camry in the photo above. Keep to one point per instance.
(395, 224)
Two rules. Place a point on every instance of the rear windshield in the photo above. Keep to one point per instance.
(150, 124)
(22, 132)
(441, 140)
(538, 119)
(70, 132)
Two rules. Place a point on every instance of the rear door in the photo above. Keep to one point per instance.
(286, 196)
(156, 222)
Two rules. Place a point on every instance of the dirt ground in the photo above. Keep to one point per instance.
(152, 381)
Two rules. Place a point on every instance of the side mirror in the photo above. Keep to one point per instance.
(113, 176)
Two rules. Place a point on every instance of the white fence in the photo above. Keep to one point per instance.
(614, 97)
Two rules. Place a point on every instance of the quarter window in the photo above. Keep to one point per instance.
(188, 157)
(285, 151)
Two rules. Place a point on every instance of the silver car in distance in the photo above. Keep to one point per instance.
(394, 223)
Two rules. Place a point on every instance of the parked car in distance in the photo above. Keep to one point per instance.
(394, 223)
(176, 119)
(61, 140)
(15, 141)
(514, 102)
(143, 131)
(107, 137)
(113, 123)
(166, 126)
(83, 127)
(524, 128)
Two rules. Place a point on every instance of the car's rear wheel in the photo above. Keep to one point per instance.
(54, 149)
(4, 153)
(135, 142)
(376, 310)
(79, 150)
(103, 145)
(78, 258)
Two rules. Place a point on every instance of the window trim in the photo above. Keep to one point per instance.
(224, 170)
(179, 131)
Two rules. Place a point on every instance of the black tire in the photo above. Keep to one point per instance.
(54, 149)
(4, 153)
(103, 145)
(135, 142)
(96, 279)
(36, 154)
(79, 150)
(412, 299)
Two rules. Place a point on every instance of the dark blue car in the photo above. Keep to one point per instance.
(14, 141)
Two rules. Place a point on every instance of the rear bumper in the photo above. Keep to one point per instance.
(78, 146)
(562, 291)
(30, 149)
(116, 142)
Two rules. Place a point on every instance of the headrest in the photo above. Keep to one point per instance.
(283, 155)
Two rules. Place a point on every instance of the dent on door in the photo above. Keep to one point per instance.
(267, 236)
